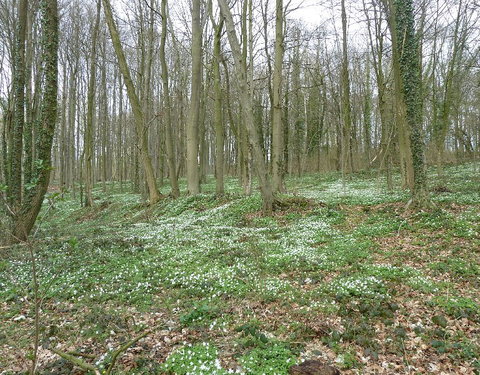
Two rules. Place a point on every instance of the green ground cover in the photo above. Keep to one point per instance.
(342, 273)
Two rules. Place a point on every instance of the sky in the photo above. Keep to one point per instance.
(308, 11)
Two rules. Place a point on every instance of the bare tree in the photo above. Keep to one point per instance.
(247, 108)
(193, 178)
(169, 141)
(153, 192)
(277, 123)
(88, 140)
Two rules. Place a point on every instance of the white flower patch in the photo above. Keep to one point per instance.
(213, 280)
(198, 359)
(359, 286)
(422, 283)
(364, 192)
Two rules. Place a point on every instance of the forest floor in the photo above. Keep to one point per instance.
(341, 274)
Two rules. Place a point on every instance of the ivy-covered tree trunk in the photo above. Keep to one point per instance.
(24, 219)
(15, 156)
(409, 89)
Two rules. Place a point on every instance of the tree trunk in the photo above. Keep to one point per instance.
(24, 220)
(346, 105)
(153, 192)
(408, 90)
(14, 184)
(218, 116)
(277, 124)
(403, 128)
(169, 144)
(246, 102)
(88, 140)
(193, 178)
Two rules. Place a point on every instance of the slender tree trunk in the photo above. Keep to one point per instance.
(441, 130)
(88, 140)
(277, 124)
(120, 137)
(193, 178)
(104, 121)
(367, 115)
(29, 116)
(169, 141)
(403, 129)
(14, 184)
(218, 116)
(153, 192)
(346, 105)
(246, 102)
(63, 141)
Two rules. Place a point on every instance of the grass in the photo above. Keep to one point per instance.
(341, 274)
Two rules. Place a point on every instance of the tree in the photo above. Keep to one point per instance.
(247, 108)
(347, 162)
(193, 179)
(170, 148)
(15, 157)
(88, 141)
(218, 110)
(277, 124)
(408, 90)
(443, 106)
(377, 49)
(24, 212)
(138, 114)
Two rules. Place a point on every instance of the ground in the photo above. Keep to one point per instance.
(340, 273)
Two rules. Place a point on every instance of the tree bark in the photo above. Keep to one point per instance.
(277, 123)
(14, 184)
(408, 90)
(88, 138)
(193, 178)
(218, 109)
(169, 144)
(24, 220)
(154, 195)
(347, 162)
(246, 102)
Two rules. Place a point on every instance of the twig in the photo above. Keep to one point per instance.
(77, 362)
(124, 347)
(79, 354)
(37, 308)
(70, 356)
(400, 227)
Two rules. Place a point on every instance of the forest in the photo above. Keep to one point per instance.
(258, 187)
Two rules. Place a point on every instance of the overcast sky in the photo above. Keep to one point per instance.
(307, 10)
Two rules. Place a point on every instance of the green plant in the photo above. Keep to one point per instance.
(458, 267)
(274, 359)
(348, 360)
(458, 307)
(198, 359)
(201, 314)
(252, 334)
